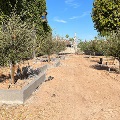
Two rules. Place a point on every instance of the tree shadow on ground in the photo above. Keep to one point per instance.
(26, 72)
(100, 67)
(86, 57)
(3, 78)
(94, 61)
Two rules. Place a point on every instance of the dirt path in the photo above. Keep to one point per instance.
(77, 92)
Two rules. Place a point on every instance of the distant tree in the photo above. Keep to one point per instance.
(105, 15)
(67, 36)
(47, 46)
(59, 46)
(71, 39)
(94, 47)
(84, 45)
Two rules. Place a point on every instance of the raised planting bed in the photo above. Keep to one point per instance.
(19, 96)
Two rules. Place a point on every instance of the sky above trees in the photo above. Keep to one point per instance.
(70, 17)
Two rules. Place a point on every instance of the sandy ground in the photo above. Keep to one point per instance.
(77, 92)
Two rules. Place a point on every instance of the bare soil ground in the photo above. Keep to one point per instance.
(78, 91)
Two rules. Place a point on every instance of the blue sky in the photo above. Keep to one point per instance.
(70, 17)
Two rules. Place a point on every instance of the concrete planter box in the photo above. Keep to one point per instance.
(19, 96)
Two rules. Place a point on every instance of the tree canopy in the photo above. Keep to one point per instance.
(106, 16)
(31, 9)
(15, 38)
(113, 45)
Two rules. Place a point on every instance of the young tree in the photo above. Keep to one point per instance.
(15, 41)
(113, 46)
(47, 46)
(59, 46)
(105, 15)
(32, 12)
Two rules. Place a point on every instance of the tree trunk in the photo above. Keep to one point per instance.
(90, 55)
(48, 58)
(119, 67)
(12, 72)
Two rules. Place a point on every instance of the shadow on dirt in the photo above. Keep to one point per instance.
(94, 61)
(3, 78)
(26, 72)
(100, 67)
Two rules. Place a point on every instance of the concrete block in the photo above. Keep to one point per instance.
(57, 63)
(30, 88)
(11, 96)
(19, 96)
(43, 69)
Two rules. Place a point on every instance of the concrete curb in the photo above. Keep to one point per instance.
(43, 69)
(19, 96)
(57, 63)
(62, 57)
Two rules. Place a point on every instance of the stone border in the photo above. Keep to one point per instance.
(62, 57)
(20, 96)
(57, 63)
(30, 88)
(43, 69)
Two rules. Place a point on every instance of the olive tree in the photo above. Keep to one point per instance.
(113, 46)
(15, 41)
(59, 46)
(47, 46)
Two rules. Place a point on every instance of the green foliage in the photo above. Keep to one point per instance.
(71, 39)
(106, 16)
(67, 36)
(47, 45)
(59, 46)
(51, 46)
(15, 40)
(32, 10)
(113, 45)
(7, 6)
(95, 46)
